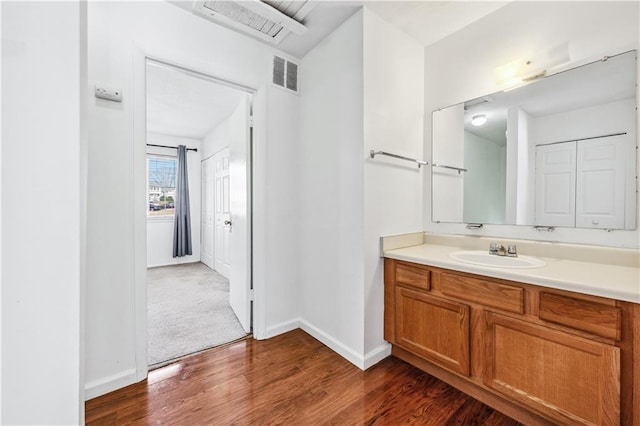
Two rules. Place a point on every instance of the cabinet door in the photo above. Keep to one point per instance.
(436, 329)
(568, 378)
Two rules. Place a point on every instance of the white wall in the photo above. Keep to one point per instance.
(160, 229)
(484, 181)
(1, 386)
(460, 67)
(393, 121)
(448, 184)
(596, 120)
(42, 76)
(525, 178)
(331, 206)
(513, 153)
(117, 32)
(216, 139)
(373, 100)
(279, 186)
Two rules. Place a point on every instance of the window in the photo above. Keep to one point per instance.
(161, 191)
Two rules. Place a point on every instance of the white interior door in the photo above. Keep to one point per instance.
(601, 182)
(207, 215)
(222, 214)
(239, 173)
(555, 184)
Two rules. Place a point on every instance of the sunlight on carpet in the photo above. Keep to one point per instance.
(188, 311)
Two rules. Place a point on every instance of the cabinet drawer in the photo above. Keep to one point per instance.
(413, 276)
(592, 317)
(500, 296)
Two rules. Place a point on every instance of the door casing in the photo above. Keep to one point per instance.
(257, 196)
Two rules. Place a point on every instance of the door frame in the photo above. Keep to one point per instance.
(257, 193)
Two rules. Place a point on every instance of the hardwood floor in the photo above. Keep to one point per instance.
(289, 379)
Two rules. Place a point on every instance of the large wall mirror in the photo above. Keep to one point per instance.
(560, 151)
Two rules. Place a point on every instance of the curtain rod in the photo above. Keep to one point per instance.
(173, 147)
(584, 139)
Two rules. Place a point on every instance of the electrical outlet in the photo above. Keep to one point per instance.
(108, 94)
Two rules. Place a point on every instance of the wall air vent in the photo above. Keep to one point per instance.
(267, 20)
(285, 74)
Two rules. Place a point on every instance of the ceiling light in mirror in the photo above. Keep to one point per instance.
(479, 120)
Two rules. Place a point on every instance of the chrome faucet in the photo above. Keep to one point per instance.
(497, 249)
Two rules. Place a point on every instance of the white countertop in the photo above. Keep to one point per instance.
(598, 279)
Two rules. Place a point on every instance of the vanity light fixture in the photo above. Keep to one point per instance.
(478, 120)
(524, 70)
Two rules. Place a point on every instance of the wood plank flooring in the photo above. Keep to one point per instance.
(289, 379)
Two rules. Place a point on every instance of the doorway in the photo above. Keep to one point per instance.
(201, 298)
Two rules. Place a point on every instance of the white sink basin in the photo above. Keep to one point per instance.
(483, 258)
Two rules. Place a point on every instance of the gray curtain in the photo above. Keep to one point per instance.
(182, 220)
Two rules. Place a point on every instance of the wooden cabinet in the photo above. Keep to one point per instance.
(553, 372)
(434, 328)
(540, 355)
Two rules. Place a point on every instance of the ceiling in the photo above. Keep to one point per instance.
(430, 21)
(425, 20)
(180, 104)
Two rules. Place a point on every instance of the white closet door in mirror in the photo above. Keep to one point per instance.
(600, 187)
(555, 184)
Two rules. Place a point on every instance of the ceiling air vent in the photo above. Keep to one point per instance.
(266, 20)
(285, 74)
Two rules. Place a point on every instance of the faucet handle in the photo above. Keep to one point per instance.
(512, 250)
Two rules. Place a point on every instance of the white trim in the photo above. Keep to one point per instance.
(283, 327)
(140, 207)
(161, 218)
(108, 384)
(376, 355)
(362, 362)
(259, 213)
(341, 349)
(139, 199)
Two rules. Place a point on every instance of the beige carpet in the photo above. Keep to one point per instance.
(188, 311)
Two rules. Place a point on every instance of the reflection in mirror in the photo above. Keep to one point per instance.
(560, 151)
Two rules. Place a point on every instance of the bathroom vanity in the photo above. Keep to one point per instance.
(552, 344)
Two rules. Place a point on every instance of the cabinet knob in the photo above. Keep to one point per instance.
(595, 222)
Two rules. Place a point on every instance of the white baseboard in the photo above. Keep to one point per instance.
(128, 377)
(282, 328)
(177, 261)
(109, 384)
(363, 362)
(376, 355)
(333, 344)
